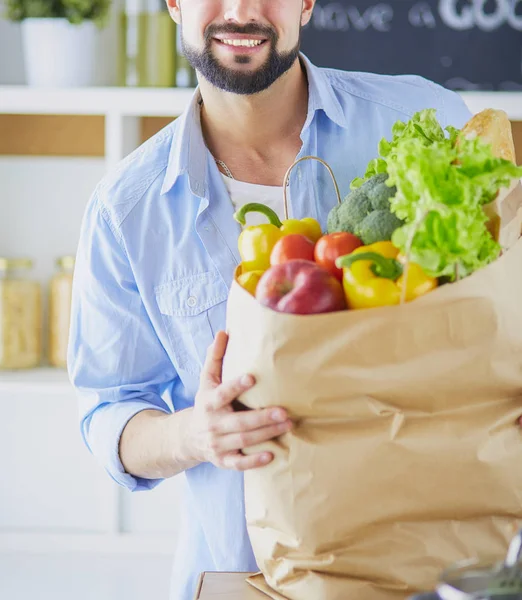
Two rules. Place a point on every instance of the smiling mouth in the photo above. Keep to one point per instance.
(241, 43)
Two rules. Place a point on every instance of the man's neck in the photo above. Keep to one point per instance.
(257, 136)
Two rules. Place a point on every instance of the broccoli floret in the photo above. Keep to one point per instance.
(333, 224)
(380, 195)
(374, 181)
(365, 212)
(352, 211)
(378, 226)
(378, 192)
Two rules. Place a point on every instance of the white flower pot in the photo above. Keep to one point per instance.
(59, 54)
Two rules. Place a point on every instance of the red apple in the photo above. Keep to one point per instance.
(333, 245)
(300, 287)
(291, 247)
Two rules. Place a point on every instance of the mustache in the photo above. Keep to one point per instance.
(249, 29)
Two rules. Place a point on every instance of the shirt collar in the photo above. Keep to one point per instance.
(321, 95)
(189, 155)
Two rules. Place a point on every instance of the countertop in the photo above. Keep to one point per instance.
(232, 586)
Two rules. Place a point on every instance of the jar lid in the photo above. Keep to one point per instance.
(7, 264)
(66, 262)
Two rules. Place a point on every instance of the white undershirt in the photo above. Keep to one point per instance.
(242, 193)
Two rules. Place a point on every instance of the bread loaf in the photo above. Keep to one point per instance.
(494, 127)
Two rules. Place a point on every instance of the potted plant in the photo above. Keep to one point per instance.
(59, 39)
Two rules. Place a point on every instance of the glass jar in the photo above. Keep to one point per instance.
(147, 52)
(20, 316)
(60, 292)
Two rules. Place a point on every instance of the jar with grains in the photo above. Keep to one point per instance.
(60, 311)
(20, 316)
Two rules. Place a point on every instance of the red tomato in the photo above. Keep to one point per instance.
(331, 246)
(291, 247)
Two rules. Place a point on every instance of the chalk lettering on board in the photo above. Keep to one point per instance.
(332, 17)
(494, 20)
(514, 19)
(474, 13)
(382, 17)
(336, 17)
(453, 18)
(360, 21)
(421, 15)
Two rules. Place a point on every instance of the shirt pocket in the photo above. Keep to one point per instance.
(192, 308)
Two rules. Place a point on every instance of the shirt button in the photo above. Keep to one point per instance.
(191, 301)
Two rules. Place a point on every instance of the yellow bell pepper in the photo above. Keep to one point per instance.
(308, 227)
(249, 281)
(373, 276)
(257, 241)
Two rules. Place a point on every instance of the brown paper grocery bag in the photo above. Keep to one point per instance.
(406, 456)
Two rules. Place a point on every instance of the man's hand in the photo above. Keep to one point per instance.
(217, 433)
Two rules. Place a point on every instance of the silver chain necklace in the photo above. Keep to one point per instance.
(224, 167)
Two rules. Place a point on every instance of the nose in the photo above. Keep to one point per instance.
(242, 11)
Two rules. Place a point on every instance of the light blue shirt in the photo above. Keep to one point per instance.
(156, 257)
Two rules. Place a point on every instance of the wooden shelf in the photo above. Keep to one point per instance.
(41, 381)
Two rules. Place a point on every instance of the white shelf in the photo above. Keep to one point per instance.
(43, 380)
(132, 102)
(510, 102)
(165, 102)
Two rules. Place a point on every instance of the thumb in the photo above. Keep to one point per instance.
(213, 368)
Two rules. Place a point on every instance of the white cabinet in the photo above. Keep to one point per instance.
(50, 482)
(53, 486)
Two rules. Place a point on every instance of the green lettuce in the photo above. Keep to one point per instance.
(423, 126)
(441, 191)
(442, 182)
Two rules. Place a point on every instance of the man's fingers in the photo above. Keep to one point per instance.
(213, 366)
(238, 441)
(240, 462)
(227, 392)
(249, 420)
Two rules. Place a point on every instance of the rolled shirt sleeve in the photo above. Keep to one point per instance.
(116, 362)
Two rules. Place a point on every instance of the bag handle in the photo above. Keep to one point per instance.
(287, 175)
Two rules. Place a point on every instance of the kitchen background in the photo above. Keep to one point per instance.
(66, 530)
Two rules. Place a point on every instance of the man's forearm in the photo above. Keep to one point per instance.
(154, 445)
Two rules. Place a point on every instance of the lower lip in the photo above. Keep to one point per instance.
(241, 49)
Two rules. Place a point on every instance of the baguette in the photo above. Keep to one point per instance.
(505, 211)
(494, 127)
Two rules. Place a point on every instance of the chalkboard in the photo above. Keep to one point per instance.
(464, 45)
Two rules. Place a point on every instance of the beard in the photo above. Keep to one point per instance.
(240, 82)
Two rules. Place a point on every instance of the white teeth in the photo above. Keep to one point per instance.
(246, 43)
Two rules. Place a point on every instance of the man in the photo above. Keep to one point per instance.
(158, 250)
